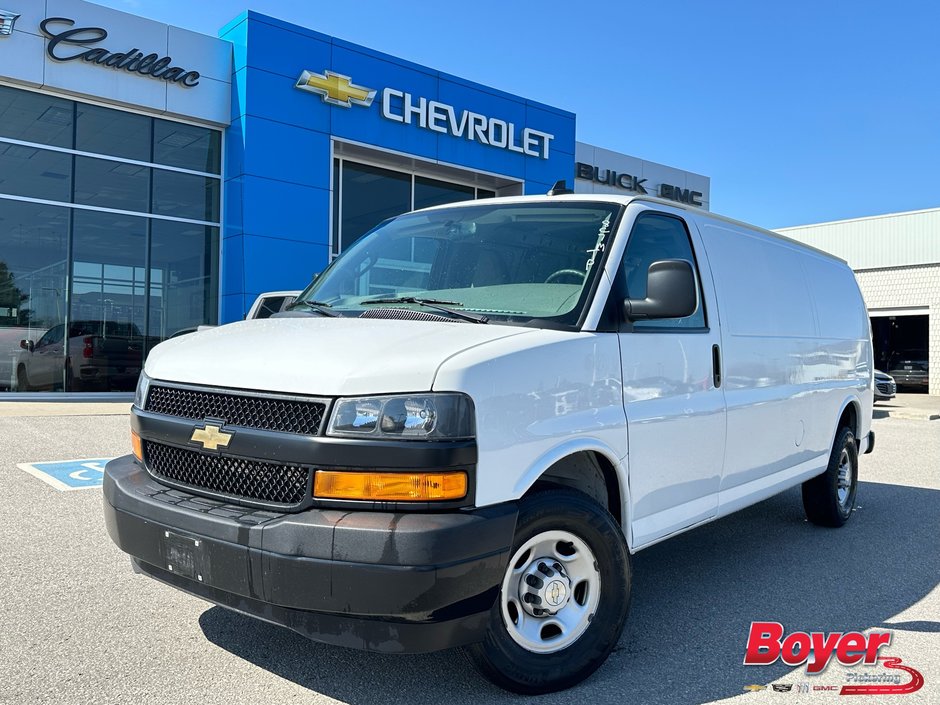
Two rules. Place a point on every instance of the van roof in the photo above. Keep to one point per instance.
(626, 200)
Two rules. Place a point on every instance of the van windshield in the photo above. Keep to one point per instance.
(521, 263)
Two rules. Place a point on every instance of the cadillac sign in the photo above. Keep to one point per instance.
(7, 20)
(69, 43)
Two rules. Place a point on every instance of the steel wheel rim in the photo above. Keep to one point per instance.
(844, 484)
(551, 632)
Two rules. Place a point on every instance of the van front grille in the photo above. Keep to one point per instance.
(231, 477)
(267, 413)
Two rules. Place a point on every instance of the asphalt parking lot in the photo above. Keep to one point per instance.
(79, 627)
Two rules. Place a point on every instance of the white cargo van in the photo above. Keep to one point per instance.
(468, 423)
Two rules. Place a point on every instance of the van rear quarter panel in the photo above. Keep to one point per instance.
(795, 350)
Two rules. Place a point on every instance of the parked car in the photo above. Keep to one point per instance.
(271, 302)
(187, 331)
(464, 448)
(910, 370)
(100, 355)
(885, 386)
(265, 306)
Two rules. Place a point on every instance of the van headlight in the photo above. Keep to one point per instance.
(404, 416)
(143, 384)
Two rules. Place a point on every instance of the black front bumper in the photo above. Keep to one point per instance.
(379, 581)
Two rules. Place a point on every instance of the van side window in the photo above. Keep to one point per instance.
(657, 237)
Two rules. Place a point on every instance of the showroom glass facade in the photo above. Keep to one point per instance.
(109, 240)
(368, 194)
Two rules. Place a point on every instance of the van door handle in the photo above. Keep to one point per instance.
(716, 365)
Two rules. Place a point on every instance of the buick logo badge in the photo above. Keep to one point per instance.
(7, 20)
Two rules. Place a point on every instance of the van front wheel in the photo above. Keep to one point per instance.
(563, 599)
(829, 498)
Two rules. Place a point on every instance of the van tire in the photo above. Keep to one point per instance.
(823, 502)
(597, 570)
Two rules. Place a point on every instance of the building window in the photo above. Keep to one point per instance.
(37, 173)
(431, 192)
(34, 117)
(109, 240)
(113, 132)
(187, 146)
(110, 184)
(365, 195)
(369, 196)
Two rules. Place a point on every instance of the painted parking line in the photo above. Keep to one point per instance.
(66, 475)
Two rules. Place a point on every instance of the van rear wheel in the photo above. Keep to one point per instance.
(829, 498)
(564, 597)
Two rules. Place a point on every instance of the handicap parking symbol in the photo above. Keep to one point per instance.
(69, 474)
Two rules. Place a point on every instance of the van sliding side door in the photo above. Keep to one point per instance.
(672, 397)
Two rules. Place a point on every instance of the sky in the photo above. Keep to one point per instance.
(800, 111)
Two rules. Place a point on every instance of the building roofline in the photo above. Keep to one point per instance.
(860, 219)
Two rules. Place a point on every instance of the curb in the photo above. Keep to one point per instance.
(15, 409)
(906, 414)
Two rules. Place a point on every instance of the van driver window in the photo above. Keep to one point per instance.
(658, 237)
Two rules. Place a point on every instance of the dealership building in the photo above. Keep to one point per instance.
(896, 258)
(154, 179)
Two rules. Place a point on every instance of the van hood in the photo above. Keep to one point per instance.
(320, 356)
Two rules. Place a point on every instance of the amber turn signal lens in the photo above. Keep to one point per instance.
(390, 486)
(137, 446)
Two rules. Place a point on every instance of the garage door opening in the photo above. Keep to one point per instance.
(900, 344)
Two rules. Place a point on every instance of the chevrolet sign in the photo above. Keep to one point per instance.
(335, 89)
(440, 117)
(402, 107)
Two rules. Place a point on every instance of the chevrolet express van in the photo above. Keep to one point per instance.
(462, 430)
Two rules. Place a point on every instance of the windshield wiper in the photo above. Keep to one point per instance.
(320, 307)
(435, 304)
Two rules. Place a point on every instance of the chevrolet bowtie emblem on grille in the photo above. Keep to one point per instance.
(335, 89)
(7, 20)
(211, 437)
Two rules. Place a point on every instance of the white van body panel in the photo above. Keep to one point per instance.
(675, 414)
(320, 356)
(795, 348)
(524, 423)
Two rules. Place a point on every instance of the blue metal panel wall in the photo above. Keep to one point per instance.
(277, 172)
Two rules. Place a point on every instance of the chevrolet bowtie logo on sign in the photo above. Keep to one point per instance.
(335, 89)
(211, 437)
(7, 20)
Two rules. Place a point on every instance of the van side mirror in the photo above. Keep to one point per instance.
(670, 292)
(28, 345)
